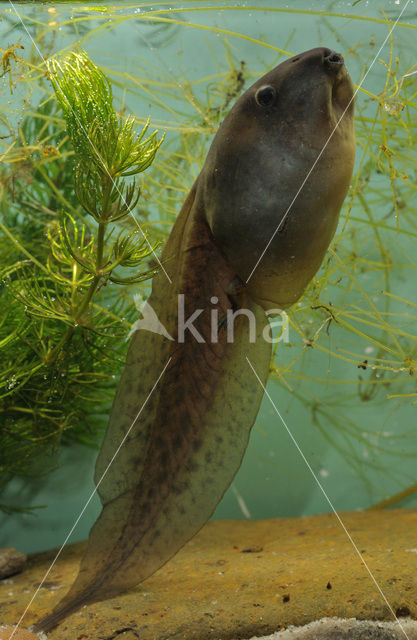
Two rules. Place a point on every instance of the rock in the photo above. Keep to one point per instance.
(9, 633)
(239, 579)
(11, 562)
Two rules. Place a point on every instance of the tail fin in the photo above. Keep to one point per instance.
(186, 434)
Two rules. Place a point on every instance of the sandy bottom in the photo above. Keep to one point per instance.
(324, 629)
(245, 579)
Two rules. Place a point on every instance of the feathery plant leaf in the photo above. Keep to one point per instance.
(98, 134)
(63, 334)
(85, 96)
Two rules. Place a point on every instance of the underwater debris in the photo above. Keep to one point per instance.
(7, 56)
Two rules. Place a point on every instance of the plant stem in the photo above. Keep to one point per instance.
(84, 304)
(100, 245)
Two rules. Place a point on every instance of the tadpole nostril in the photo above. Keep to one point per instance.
(332, 58)
(335, 57)
(332, 61)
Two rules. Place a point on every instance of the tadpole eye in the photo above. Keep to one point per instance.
(266, 96)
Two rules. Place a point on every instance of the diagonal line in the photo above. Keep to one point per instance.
(342, 524)
(98, 155)
(88, 501)
(326, 143)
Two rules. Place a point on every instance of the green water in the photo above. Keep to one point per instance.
(361, 449)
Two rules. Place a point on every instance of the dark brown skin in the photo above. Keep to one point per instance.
(189, 439)
(260, 171)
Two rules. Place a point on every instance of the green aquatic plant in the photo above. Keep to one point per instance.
(66, 194)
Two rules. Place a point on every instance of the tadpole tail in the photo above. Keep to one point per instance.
(50, 621)
(184, 409)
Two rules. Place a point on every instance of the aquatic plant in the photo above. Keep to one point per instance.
(63, 246)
